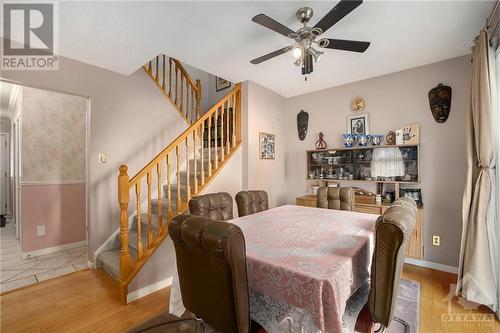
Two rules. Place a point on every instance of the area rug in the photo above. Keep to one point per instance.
(407, 307)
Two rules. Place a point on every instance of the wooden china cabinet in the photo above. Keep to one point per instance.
(371, 164)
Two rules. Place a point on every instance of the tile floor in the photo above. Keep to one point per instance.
(16, 272)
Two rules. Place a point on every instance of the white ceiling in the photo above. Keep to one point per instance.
(219, 37)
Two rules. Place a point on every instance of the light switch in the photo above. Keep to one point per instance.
(41, 230)
(102, 158)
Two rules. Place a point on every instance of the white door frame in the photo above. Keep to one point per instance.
(16, 158)
(5, 190)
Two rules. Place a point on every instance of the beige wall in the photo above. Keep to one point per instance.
(130, 121)
(392, 101)
(53, 136)
(264, 112)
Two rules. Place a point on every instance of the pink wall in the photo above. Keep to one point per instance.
(60, 207)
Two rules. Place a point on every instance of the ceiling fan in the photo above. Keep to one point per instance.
(306, 38)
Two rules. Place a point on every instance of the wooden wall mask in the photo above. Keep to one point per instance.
(302, 123)
(440, 102)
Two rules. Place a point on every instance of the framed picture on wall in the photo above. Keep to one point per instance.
(358, 124)
(221, 84)
(267, 146)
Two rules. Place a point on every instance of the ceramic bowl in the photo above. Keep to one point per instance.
(349, 140)
(362, 140)
(376, 140)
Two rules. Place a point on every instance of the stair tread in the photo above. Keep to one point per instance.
(110, 260)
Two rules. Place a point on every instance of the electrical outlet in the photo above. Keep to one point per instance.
(41, 230)
(436, 240)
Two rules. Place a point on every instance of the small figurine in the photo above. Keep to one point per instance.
(321, 143)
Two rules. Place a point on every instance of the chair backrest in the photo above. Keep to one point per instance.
(251, 202)
(340, 198)
(392, 231)
(211, 263)
(217, 206)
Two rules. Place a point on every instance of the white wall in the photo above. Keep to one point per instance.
(263, 111)
(392, 101)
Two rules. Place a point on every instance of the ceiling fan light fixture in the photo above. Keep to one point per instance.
(297, 51)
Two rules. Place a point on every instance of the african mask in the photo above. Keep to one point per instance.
(302, 121)
(440, 102)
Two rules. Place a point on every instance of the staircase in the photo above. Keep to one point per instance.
(162, 188)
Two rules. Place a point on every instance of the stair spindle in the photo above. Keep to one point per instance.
(176, 84)
(222, 153)
(188, 188)
(193, 92)
(138, 209)
(228, 136)
(157, 74)
(170, 77)
(164, 84)
(234, 120)
(209, 136)
(150, 229)
(169, 195)
(202, 136)
(198, 98)
(178, 154)
(150, 67)
(216, 157)
(182, 93)
(160, 209)
(195, 155)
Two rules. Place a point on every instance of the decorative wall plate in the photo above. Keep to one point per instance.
(358, 104)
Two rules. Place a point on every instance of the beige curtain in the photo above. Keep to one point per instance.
(476, 280)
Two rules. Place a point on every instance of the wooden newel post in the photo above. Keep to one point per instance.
(123, 200)
(238, 110)
(198, 98)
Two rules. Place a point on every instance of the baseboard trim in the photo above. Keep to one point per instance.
(53, 249)
(135, 295)
(433, 265)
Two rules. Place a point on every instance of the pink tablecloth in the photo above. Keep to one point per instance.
(308, 258)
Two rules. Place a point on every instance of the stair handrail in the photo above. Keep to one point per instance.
(188, 101)
(228, 111)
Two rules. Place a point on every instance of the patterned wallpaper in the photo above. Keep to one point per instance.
(53, 136)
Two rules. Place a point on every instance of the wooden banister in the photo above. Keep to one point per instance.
(225, 118)
(177, 85)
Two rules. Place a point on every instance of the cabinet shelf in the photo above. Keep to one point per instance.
(358, 163)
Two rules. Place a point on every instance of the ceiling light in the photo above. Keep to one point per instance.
(297, 51)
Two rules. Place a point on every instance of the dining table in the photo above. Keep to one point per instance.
(303, 265)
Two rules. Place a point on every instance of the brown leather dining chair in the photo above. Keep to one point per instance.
(393, 229)
(339, 198)
(251, 202)
(217, 206)
(211, 262)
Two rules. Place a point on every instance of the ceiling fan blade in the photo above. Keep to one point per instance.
(337, 13)
(269, 23)
(342, 44)
(270, 55)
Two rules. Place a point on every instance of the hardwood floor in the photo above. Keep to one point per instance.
(87, 301)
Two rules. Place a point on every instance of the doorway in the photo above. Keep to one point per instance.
(45, 234)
